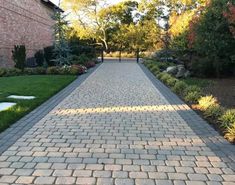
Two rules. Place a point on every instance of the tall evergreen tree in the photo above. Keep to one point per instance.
(62, 50)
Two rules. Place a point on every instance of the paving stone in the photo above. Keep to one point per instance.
(229, 178)
(43, 165)
(195, 183)
(179, 182)
(197, 177)
(105, 181)
(6, 171)
(177, 176)
(44, 173)
(157, 175)
(113, 167)
(164, 182)
(120, 174)
(102, 174)
(124, 182)
(24, 172)
(138, 175)
(82, 173)
(8, 179)
(86, 180)
(65, 180)
(144, 182)
(215, 177)
(60, 173)
(24, 180)
(44, 180)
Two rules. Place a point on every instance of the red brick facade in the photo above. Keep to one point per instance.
(26, 22)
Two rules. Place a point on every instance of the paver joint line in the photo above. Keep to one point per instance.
(120, 126)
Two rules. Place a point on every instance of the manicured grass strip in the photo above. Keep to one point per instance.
(41, 86)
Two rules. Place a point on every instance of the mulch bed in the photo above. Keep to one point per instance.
(224, 90)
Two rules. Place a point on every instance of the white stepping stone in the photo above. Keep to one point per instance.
(22, 97)
(6, 105)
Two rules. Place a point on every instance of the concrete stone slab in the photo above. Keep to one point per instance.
(6, 105)
(21, 97)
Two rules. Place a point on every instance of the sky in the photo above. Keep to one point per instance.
(109, 1)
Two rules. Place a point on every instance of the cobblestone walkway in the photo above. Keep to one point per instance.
(115, 128)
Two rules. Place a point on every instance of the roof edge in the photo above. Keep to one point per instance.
(51, 5)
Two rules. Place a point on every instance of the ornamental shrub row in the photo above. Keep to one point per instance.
(207, 104)
(54, 70)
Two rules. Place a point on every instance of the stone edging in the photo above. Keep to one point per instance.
(210, 137)
(18, 129)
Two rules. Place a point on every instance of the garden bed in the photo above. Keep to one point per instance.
(200, 95)
(40, 86)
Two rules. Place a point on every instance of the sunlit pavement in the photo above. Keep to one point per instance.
(115, 128)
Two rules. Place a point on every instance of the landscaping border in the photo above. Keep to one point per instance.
(220, 146)
(18, 129)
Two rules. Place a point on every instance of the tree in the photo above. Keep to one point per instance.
(86, 20)
(169, 14)
(19, 56)
(229, 14)
(213, 39)
(61, 47)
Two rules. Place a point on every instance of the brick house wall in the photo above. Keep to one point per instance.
(26, 22)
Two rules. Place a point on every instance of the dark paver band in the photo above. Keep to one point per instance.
(211, 138)
(18, 129)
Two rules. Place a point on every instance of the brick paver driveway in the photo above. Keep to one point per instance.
(116, 128)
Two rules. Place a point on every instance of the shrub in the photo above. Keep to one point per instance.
(40, 70)
(230, 133)
(214, 111)
(54, 70)
(49, 55)
(227, 118)
(206, 101)
(77, 69)
(171, 81)
(165, 77)
(163, 65)
(35, 71)
(192, 96)
(193, 88)
(149, 64)
(13, 72)
(82, 59)
(19, 56)
(154, 69)
(2, 72)
(90, 64)
(192, 93)
(64, 70)
(39, 56)
(180, 87)
(30, 71)
(159, 75)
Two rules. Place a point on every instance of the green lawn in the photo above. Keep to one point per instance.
(41, 86)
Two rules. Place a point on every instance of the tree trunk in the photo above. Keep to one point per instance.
(120, 55)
